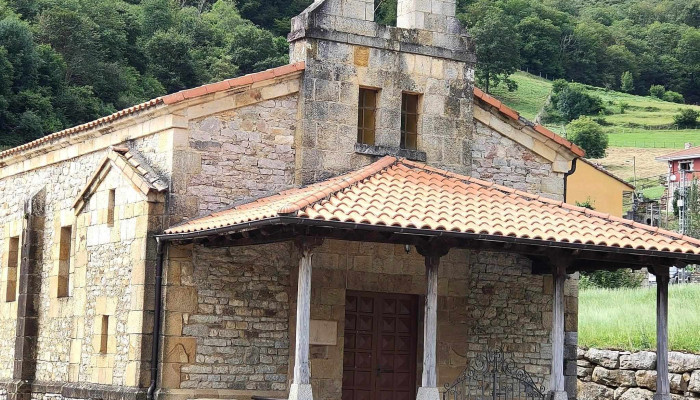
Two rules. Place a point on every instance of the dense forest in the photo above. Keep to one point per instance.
(65, 62)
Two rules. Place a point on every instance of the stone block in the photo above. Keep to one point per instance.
(594, 391)
(694, 382)
(683, 362)
(613, 377)
(181, 298)
(606, 358)
(641, 360)
(180, 350)
(637, 394)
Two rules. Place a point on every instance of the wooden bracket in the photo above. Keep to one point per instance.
(307, 243)
(433, 248)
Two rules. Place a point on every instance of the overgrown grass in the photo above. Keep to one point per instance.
(528, 99)
(625, 319)
(641, 138)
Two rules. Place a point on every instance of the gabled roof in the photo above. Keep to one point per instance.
(399, 195)
(608, 173)
(160, 101)
(686, 154)
(515, 116)
(143, 178)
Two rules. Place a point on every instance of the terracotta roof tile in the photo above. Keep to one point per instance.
(398, 192)
(168, 99)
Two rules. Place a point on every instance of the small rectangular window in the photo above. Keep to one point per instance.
(64, 258)
(366, 116)
(409, 121)
(104, 334)
(110, 207)
(685, 166)
(12, 269)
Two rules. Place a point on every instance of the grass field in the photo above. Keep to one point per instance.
(626, 319)
(639, 126)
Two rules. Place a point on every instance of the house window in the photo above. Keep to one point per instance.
(366, 116)
(409, 121)
(12, 268)
(104, 334)
(685, 166)
(110, 207)
(64, 261)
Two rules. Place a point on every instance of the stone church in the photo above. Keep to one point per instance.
(278, 235)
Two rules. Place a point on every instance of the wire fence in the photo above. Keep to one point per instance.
(655, 144)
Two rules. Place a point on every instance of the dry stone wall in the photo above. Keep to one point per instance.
(619, 375)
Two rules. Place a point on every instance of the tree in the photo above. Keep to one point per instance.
(657, 91)
(589, 135)
(571, 101)
(687, 118)
(497, 49)
(253, 49)
(627, 82)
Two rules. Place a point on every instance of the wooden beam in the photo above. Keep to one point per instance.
(663, 385)
(557, 373)
(301, 386)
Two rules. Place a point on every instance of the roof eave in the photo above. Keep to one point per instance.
(289, 220)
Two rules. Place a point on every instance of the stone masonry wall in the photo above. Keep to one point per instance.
(498, 159)
(346, 52)
(485, 300)
(227, 319)
(620, 375)
(230, 321)
(232, 156)
(59, 320)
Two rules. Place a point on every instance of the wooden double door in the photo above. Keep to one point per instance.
(379, 359)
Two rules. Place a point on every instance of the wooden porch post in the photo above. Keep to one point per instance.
(663, 384)
(428, 389)
(301, 385)
(557, 376)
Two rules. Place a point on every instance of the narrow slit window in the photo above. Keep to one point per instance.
(64, 258)
(366, 116)
(12, 269)
(409, 121)
(110, 207)
(104, 334)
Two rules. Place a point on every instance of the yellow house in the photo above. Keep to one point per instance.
(605, 190)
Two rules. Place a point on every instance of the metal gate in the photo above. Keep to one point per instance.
(493, 376)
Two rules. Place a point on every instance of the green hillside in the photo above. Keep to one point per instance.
(647, 122)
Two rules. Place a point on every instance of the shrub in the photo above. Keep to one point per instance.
(588, 134)
(686, 118)
(623, 107)
(657, 91)
(673, 97)
(616, 279)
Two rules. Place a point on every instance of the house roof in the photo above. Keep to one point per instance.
(128, 162)
(608, 173)
(691, 153)
(399, 194)
(515, 116)
(168, 99)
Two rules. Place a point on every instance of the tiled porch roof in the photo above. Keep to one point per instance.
(403, 194)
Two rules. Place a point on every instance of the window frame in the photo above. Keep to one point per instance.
(405, 133)
(362, 109)
(65, 244)
(14, 249)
